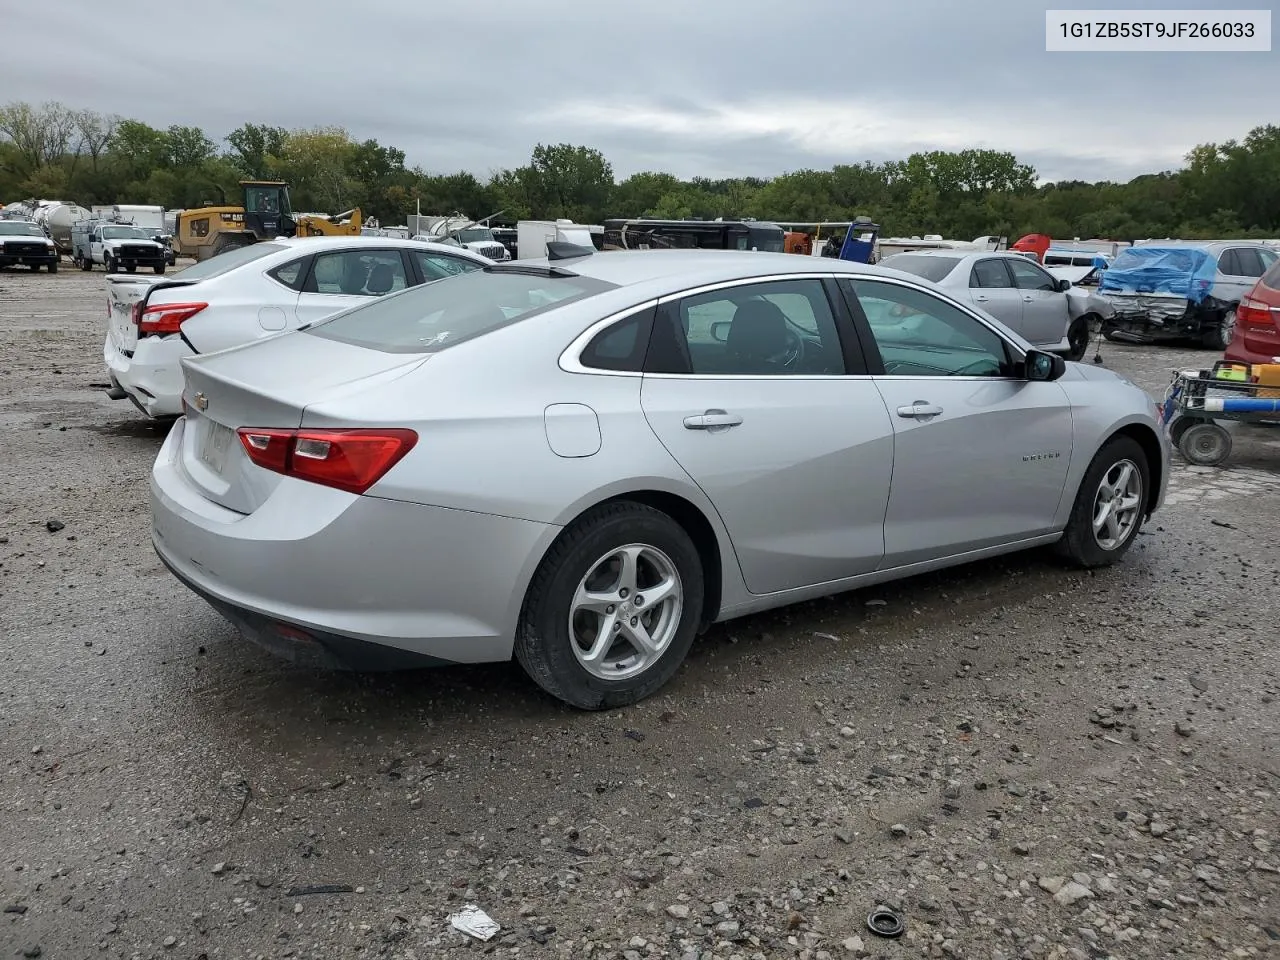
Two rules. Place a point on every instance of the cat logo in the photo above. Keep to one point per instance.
(1033, 457)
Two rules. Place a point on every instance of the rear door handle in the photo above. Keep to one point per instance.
(1027, 299)
(919, 410)
(712, 420)
(982, 299)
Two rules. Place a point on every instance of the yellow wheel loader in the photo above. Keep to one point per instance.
(265, 214)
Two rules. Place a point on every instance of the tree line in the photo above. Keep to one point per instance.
(53, 151)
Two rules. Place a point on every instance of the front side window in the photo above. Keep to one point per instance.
(990, 274)
(921, 335)
(437, 266)
(1027, 276)
(359, 273)
(760, 329)
(435, 316)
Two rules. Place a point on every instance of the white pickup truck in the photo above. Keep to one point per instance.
(117, 246)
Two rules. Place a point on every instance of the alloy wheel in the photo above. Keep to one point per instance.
(625, 612)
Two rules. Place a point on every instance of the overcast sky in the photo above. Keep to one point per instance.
(710, 87)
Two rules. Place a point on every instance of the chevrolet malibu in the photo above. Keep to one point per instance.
(584, 461)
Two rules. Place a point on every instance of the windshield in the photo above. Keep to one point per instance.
(930, 268)
(228, 261)
(475, 235)
(765, 241)
(435, 316)
(9, 228)
(124, 233)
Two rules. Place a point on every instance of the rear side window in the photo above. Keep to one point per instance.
(227, 261)
(435, 316)
(1227, 263)
(436, 266)
(990, 275)
(622, 345)
(291, 274)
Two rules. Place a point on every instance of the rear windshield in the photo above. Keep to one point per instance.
(435, 316)
(227, 261)
(931, 268)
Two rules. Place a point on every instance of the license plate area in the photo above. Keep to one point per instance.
(214, 446)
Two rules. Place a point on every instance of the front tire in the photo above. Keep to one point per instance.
(108, 263)
(1078, 334)
(1109, 506)
(53, 267)
(159, 269)
(613, 608)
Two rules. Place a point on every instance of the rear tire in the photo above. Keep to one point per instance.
(1105, 518)
(86, 264)
(1219, 336)
(559, 626)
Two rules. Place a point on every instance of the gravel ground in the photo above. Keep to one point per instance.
(1026, 761)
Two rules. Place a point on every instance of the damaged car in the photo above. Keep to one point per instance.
(1173, 290)
(1047, 310)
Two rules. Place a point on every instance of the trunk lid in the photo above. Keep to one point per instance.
(269, 383)
(123, 291)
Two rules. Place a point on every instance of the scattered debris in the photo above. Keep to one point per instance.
(53, 526)
(884, 922)
(319, 888)
(474, 922)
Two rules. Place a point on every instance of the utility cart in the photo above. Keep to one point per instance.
(1197, 400)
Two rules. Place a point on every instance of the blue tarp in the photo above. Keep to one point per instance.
(1186, 272)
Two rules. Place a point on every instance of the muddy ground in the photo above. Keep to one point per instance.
(1027, 761)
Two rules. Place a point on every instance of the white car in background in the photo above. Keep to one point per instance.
(248, 294)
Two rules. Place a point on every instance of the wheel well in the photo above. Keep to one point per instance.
(700, 531)
(1150, 443)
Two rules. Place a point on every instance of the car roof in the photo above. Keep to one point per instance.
(692, 267)
(330, 243)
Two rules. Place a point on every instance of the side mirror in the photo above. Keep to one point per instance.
(720, 330)
(1041, 366)
(1064, 286)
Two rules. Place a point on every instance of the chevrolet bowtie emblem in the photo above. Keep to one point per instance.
(201, 402)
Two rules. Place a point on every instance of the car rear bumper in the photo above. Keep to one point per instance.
(1238, 352)
(152, 377)
(339, 580)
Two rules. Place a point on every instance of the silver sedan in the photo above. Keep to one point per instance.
(1016, 291)
(584, 461)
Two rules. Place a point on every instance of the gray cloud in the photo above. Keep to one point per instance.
(719, 88)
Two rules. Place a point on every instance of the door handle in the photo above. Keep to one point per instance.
(712, 420)
(920, 410)
(1027, 299)
(982, 299)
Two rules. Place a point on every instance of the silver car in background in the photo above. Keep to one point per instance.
(584, 461)
(1017, 291)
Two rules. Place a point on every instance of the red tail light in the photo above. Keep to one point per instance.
(163, 317)
(1255, 313)
(351, 460)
